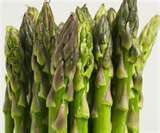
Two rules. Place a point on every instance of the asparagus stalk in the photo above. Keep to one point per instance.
(26, 36)
(42, 49)
(146, 42)
(101, 112)
(124, 57)
(83, 72)
(16, 79)
(90, 93)
(9, 123)
(64, 66)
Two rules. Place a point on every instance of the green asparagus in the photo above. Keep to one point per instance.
(83, 72)
(124, 57)
(44, 43)
(26, 35)
(15, 80)
(64, 65)
(82, 76)
(146, 41)
(101, 112)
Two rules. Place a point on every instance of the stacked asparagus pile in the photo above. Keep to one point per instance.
(81, 76)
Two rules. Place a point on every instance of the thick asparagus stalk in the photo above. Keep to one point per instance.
(16, 79)
(43, 46)
(124, 57)
(83, 72)
(64, 66)
(26, 35)
(9, 123)
(146, 42)
(101, 112)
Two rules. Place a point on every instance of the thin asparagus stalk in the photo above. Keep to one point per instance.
(64, 65)
(101, 112)
(146, 42)
(42, 49)
(26, 35)
(124, 57)
(9, 123)
(16, 79)
(90, 93)
(83, 72)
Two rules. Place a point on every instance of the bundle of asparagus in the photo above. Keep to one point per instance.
(82, 76)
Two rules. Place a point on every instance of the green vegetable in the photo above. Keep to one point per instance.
(124, 57)
(146, 42)
(101, 112)
(84, 67)
(26, 36)
(45, 32)
(15, 82)
(64, 62)
(84, 75)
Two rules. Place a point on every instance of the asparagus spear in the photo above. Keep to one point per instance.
(146, 42)
(83, 72)
(16, 79)
(64, 65)
(124, 57)
(9, 123)
(104, 71)
(26, 35)
(90, 93)
(42, 49)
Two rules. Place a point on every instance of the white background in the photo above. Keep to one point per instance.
(11, 13)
